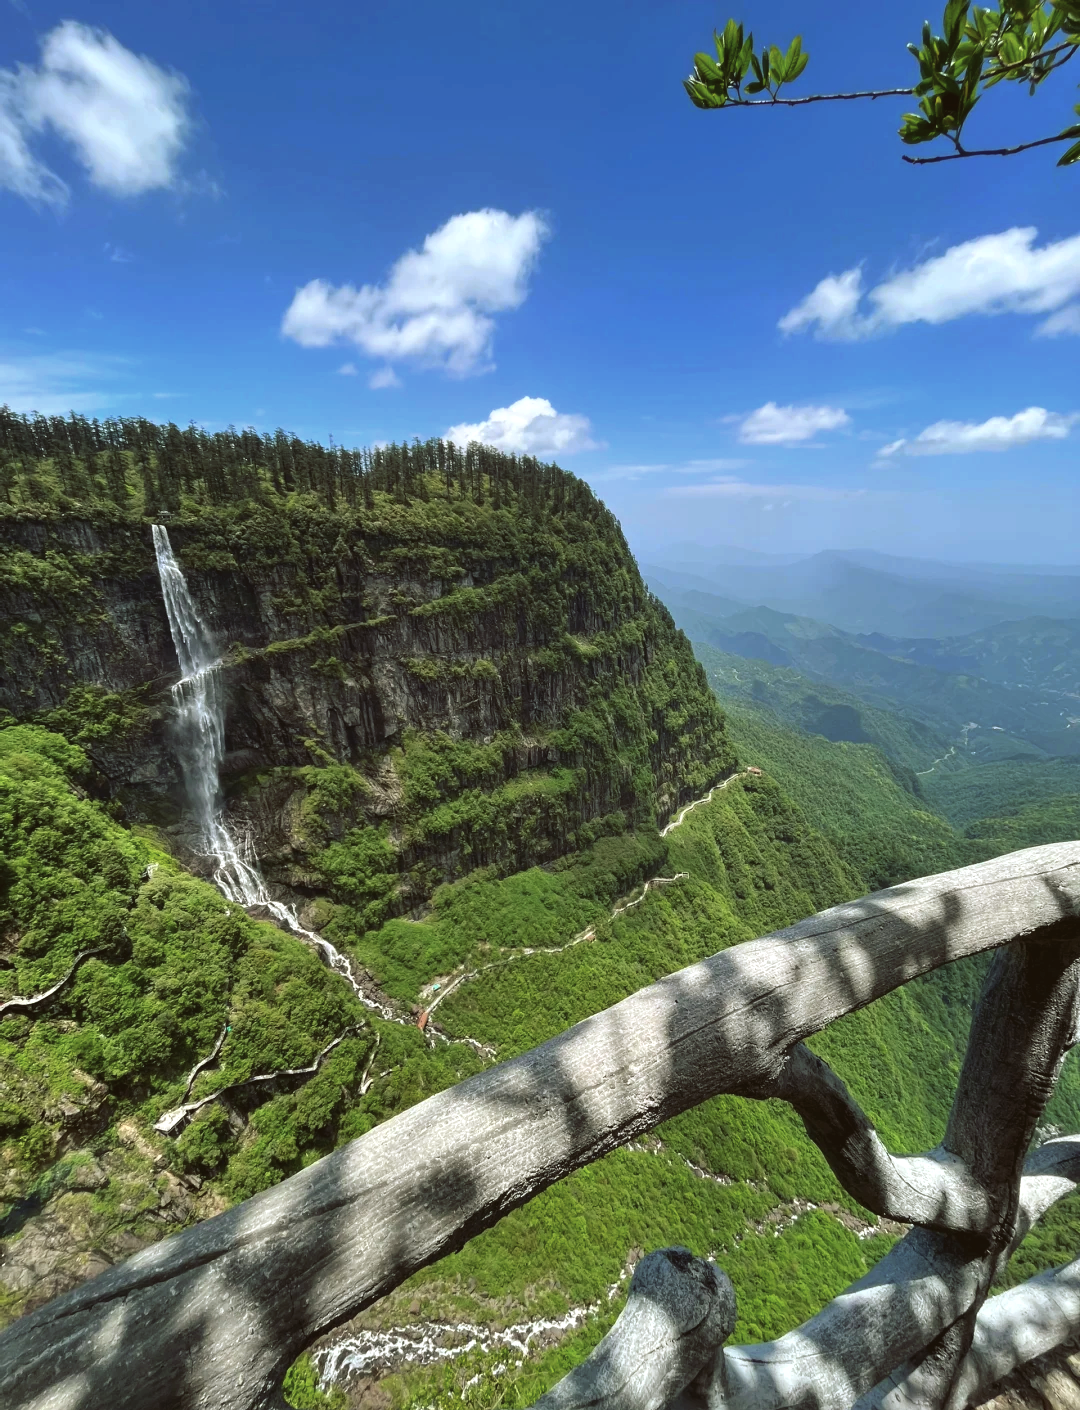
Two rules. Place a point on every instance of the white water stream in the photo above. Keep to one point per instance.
(199, 711)
(365, 1353)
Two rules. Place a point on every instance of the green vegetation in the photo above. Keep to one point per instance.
(464, 631)
(1023, 42)
(998, 789)
(172, 962)
(489, 848)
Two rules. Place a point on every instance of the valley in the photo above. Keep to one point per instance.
(404, 772)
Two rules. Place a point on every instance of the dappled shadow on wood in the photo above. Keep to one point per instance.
(213, 1316)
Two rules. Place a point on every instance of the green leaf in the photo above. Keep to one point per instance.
(777, 66)
(1071, 156)
(707, 69)
(955, 15)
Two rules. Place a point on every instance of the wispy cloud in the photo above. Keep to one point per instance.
(382, 378)
(435, 308)
(998, 433)
(993, 274)
(772, 425)
(529, 426)
(116, 254)
(733, 488)
(684, 467)
(56, 383)
(126, 119)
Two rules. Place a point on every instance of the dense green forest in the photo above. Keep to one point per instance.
(504, 942)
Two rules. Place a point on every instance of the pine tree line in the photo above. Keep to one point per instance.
(53, 459)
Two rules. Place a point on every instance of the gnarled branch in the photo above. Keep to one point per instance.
(679, 1310)
(836, 1359)
(303, 1257)
(935, 1190)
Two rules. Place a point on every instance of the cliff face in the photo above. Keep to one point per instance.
(487, 666)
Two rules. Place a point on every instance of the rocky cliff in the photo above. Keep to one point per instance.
(439, 660)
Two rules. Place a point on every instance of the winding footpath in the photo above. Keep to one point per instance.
(585, 936)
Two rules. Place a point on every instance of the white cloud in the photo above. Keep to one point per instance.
(530, 426)
(997, 433)
(126, 119)
(830, 307)
(435, 307)
(772, 425)
(730, 487)
(348, 369)
(993, 274)
(383, 377)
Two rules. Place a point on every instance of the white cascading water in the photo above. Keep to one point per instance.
(199, 706)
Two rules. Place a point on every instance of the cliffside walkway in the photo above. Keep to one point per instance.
(212, 1317)
(583, 937)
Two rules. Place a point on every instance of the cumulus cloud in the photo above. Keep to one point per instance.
(436, 304)
(993, 274)
(125, 118)
(997, 433)
(529, 426)
(772, 425)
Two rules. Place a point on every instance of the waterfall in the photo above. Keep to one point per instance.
(199, 713)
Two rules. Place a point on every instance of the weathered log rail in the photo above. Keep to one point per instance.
(211, 1318)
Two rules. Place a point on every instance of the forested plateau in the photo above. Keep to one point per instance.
(457, 730)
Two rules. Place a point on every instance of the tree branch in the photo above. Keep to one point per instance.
(244, 1293)
(814, 98)
(1021, 1031)
(962, 152)
(680, 1309)
(918, 1289)
(934, 1190)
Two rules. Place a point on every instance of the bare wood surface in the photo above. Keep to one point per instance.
(678, 1311)
(221, 1310)
(1021, 1031)
(835, 1360)
(936, 1190)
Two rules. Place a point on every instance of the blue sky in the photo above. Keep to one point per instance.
(380, 221)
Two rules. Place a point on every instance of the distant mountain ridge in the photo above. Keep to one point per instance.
(866, 592)
(948, 684)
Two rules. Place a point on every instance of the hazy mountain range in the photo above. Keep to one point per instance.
(1008, 682)
(863, 591)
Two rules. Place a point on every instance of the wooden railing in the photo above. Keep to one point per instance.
(211, 1318)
